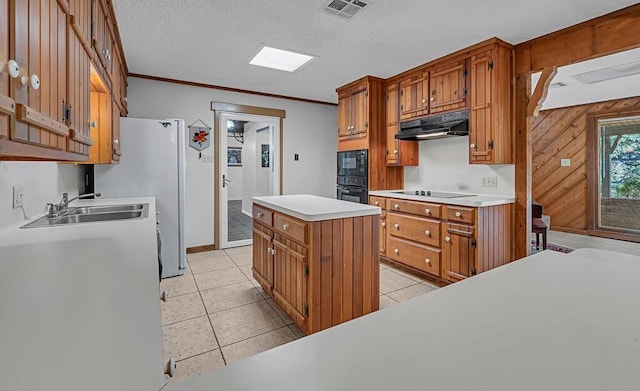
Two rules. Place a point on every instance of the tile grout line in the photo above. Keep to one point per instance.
(257, 335)
(210, 323)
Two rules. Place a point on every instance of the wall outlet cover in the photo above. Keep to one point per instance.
(18, 197)
(565, 162)
(490, 181)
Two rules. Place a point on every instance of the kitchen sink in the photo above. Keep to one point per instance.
(83, 210)
(90, 214)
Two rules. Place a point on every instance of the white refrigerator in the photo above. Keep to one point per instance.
(153, 164)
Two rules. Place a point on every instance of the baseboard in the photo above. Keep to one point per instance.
(244, 212)
(200, 249)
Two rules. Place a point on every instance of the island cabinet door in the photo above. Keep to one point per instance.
(290, 275)
(459, 247)
(263, 256)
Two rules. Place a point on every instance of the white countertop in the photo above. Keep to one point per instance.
(79, 305)
(313, 208)
(477, 200)
(550, 321)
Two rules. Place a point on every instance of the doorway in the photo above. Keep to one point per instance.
(249, 166)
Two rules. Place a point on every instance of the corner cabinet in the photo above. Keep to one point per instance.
(491, 124)
(45, 91)
(313, 270)
(399, 153)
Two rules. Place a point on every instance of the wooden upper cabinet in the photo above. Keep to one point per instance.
(353, 112)
(78, 88)
(448, 87)
(414, 95)
(80, 12)
(491, 117)
(39, 32)
(399, 153)
(7, 105)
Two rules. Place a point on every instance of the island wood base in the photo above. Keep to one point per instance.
(321, 273)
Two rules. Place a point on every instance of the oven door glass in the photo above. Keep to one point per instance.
(352, 163)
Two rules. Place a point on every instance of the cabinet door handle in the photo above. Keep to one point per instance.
(447, 239)
(427, 232)
(458, 214)
(383, 224)
(285, 227)
(432, 99)
(395, 151)
(427, 211)
(424, 100)
(427, 261)
(376, 203)
(397, 251)
(259, 215)
(472, 146)
(396, 226)
(396, 206)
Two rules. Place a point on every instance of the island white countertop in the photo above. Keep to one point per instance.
(550, 321)
(79, 305)
(477, 200)
(313, 208)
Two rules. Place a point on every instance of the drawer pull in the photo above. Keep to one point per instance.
(259, 215)
(427, 211)
(383, 224)
(458, 214)
(285, 227)
(397, 251)
(427, 261)
(396, 226)
(427, 232)
(447, 239)
(396, 206)
(376, 203)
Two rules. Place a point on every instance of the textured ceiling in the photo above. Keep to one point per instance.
(211, 41)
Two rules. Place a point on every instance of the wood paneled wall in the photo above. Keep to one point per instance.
(562, 134)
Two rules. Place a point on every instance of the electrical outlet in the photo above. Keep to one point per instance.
(490, 181)
(565, 162)
(18, 197)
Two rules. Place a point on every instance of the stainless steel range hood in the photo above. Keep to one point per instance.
(434, 127)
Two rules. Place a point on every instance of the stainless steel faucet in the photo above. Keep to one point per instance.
(55, 210)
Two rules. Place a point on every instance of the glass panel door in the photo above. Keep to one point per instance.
(619, 173)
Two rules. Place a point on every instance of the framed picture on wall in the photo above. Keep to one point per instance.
(265, 155)
(234, 156)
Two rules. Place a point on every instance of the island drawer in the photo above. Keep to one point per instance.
(415, 255)
(377, 201)
(460, 214)
(418, 229)
(295, 229)
(425, 209)
(265, 216)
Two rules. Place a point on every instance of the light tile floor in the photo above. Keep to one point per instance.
(217, 313)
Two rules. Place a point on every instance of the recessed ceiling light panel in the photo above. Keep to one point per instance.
(279, 59)
(632, 68)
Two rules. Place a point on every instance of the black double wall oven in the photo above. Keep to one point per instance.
(353, 172)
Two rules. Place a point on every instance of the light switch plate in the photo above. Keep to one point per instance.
(565, 162)
(18, 197)
(207, 158)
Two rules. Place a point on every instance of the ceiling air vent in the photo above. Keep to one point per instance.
(345, 9)
(558, 84)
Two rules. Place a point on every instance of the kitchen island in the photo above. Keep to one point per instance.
(317, 257)
(550, 321)
(79, 304)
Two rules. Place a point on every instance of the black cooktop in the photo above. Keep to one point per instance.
(438, 194)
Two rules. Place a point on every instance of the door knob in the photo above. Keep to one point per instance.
(397, 251)
(427, 261)
(458, 214)
(285, 227)
(447, 239)
(396, 226)
(427, 232)
(472, 146)
(427, 211)
(384, 224)
(396, 206)
(376, 203)
(259, 215)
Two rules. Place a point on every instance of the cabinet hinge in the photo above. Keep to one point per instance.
(93, 29)
(490, 144)
(66, 113)
(366, 124)
(473, 243)
(306, 310)
(401, 107)
(464, 92)
(490, 65)
(306, 270)
(401, 92)
(473, 271)
(387, 96)
(366, 94)
(464, 73)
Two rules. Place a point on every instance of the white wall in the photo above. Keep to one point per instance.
(235, 172)
(42, 182)
(444, 166)
(257, 179)
(309, 130)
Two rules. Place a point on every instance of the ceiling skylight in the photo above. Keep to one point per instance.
(279, 59)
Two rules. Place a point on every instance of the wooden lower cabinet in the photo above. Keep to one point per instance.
(448, 242)
(320, 273)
